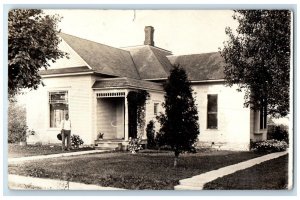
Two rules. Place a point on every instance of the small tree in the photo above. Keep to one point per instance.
(179, 123)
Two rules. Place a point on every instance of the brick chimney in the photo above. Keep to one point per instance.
(149, 32)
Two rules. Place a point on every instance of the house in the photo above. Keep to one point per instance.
(93, 84)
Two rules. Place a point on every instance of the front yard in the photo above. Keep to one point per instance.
(144, 170)
(15, 150)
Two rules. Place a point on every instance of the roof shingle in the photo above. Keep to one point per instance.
(140, 62)
(126, 83)
(151, 62)
(206, 66)
(102, 58)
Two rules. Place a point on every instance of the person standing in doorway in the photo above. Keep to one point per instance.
(66, 133)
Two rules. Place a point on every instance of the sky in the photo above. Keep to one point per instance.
(179, 31)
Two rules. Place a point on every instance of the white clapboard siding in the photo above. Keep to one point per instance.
(233, 118)
(80, 109)
(155, 97)
(252, 122)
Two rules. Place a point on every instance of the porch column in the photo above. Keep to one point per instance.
(125, 119)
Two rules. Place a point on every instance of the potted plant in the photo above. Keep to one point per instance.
(100, 136)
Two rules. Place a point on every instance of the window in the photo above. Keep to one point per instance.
(58, 104)
(155, 108)
(263, 117)
(212, 111)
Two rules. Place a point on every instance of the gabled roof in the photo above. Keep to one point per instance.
(126, 83)
(151, 62)
(102, 58)
(139, 62)
(206, 66)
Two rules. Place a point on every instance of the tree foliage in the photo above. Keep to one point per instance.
(257, 58)
(179, 123)
(32, 43)
(17, 127)
(136, 112)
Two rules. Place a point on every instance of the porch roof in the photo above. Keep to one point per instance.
(126, 83)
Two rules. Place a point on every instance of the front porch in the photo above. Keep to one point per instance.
(113, 120)
(113, 116)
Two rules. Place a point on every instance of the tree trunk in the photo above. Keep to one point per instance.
(176, 158)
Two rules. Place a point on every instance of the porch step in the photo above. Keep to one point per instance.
(109, 141)
(110, 145)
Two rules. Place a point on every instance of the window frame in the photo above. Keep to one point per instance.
(208, 126)
(66, 91)
(263, 117)
(155, 108)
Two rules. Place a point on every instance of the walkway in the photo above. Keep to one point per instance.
(32, 158)
(16, 182)
(198, 182)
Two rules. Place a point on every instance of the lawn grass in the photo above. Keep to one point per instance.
(15, 150)
(144, 170)
(272, 174)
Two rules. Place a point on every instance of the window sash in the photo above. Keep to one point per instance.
(263, 117)
(212, 111)
(58, 97)
(155, 109)
(58, 107)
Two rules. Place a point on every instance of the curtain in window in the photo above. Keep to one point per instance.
(58, 107)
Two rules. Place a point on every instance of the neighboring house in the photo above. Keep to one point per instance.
(93, 84)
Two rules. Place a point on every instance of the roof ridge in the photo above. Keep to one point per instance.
(135, 67)
(143, 45)
(162, 64)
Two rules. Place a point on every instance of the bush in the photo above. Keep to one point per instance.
(160, 140)
(76, 141)
(17, 128)
(151, 135)
(134, 145)
(278, 132)
(269, 146)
